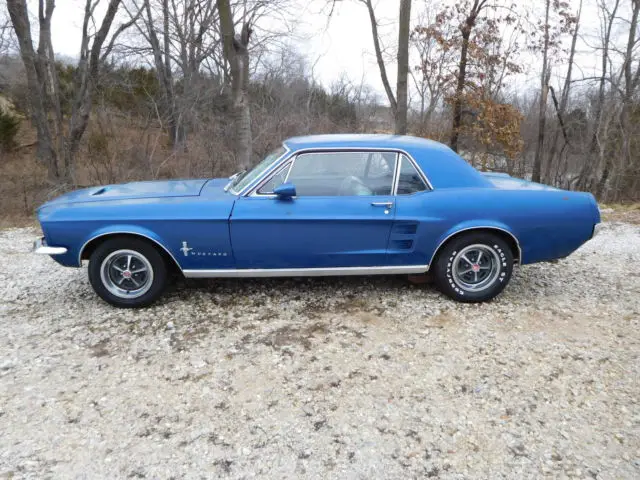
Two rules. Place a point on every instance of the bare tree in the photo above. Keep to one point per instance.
(162, 61)
(5, 33)
(631, 80)
(437, 60)
(596, 147)
(545, 75)
(403, 66)
(561, 108)
(397, 101)
(180, 36)
(236, 53)
(473, 11)
(57, 145)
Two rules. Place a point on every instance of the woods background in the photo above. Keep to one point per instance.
(196, 88)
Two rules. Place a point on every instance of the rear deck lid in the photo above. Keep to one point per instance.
(506, 182)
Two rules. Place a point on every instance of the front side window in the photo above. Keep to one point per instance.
(275, 181)
(409, 180)
(337, 174)
(244, 179)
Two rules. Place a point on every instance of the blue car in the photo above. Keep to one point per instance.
(319, 205)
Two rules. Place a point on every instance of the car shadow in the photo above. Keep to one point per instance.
(309, 284)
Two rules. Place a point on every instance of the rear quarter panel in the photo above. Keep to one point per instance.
(548, 224)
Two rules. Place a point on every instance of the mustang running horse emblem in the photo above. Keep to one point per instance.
(186, 249)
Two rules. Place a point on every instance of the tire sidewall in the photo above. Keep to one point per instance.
(444, 267)
(143, 248)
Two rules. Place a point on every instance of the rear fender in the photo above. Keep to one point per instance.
(470, 225)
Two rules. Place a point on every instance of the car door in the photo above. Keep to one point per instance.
(341, 215)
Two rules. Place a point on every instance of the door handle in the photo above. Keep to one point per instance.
(382, 204)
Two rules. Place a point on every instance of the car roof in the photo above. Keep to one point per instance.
(442, 166)
(346, 140)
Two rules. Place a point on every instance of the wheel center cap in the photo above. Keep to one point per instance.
(126, 274)
(475, 267)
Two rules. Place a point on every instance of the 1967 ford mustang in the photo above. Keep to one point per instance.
(319, 205)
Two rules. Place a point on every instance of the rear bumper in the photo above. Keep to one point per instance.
(41, 248)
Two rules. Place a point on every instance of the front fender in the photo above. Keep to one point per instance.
(123, 229)
(475, 225)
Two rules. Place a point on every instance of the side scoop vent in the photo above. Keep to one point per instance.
(99, 192)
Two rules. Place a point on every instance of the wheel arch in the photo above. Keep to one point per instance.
(508, 236)
(94, 241)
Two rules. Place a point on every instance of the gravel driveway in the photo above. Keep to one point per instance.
(324, 378)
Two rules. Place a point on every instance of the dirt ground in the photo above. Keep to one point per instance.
(324, 378)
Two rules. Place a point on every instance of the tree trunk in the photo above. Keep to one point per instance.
(457, 101)
(595, 147)
(564, 99)
(162, 62)
(466, 29)
(403, 67)
(56, 148)
(241, 101)
(544, 91)
(381, 67)
(237, 56)
(46, 151)
(625, 112)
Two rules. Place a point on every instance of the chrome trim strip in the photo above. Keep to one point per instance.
(420, 172)
(41, 248)
(304, 272)
(255, 193)
(250, 188)
(396, 175)
(272, 168)
(124, 232)
(481, 227)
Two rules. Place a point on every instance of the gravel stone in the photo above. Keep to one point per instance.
(326, 377)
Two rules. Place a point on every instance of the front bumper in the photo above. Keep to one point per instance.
(40, 247)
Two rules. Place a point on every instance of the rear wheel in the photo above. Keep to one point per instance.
(474, 267)
(127, 272)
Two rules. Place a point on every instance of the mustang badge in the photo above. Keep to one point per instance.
(186, 249)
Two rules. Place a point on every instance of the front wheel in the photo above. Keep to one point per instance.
(474, 267)
(127, 272)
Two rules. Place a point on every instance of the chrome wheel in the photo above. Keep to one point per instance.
(126, 274)
(475, 267)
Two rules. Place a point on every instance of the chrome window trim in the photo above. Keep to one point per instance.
(304, 272)
(273, 166)
(421, 174)
(126, 232)
(396, 175)
(480, 227)
(293, 154)
(255, 192)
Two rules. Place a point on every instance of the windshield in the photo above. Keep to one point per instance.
(244, 179)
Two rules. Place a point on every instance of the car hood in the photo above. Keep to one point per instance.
(133, 191)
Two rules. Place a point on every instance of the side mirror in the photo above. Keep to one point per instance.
(285, 191)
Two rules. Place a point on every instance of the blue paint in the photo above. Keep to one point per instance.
(225, 231)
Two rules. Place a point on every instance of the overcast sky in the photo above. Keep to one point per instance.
(343, 44)
(340, 45)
